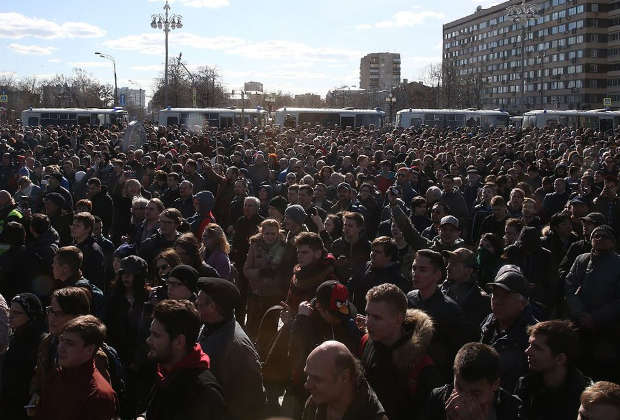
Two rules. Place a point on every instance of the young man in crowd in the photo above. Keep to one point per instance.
(93, 261)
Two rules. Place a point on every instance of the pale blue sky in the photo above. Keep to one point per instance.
(293, 46)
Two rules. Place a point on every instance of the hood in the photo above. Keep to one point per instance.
(419, 329)
(195, 359)
(529, 238)
(206, 201)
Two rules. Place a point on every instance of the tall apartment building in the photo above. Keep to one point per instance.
(568, 57)
(253, 86)
(132, 97)
(380, 71)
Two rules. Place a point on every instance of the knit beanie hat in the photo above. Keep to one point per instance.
(185, 274)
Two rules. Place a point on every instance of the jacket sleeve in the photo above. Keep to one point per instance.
(573, 281)
(243, 384)
(567, 262)
(251, 272)
(608, 314)
(411, 234)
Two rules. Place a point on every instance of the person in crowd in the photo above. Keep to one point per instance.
(185, 202)
(488, 258)
(559, 237)
(505, 328)
(600, 401)
(169, 223)
(263, 269)
(203, 206)
(496, 221)
(553, 385)
(383, 267)
(66, 269)
(26, 319)
(78, 390)
(475, 392)
(181, 283)
(592, 295)
(450, 328)
(352, 249)
(93, 261)
(188, 248)
(60, 220)
(234, 360)
(396, 353)
(16, 265)
(327, 316)
(216, 250)
(461, 286)
(103, 206)
(185, 386)
(150, 225)
(582, 246)
(512, 229)
(555, 201)
(337, 387)
(607, 202)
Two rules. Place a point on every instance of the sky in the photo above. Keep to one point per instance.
(290, 46)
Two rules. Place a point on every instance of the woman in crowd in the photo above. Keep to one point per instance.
(188, 248)
(216, 249)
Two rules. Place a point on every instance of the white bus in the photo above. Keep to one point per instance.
(329, 117)
(215, 117)
(597, 119)
(451, 118)
(100, 117)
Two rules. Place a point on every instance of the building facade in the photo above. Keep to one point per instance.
(132, 97)
(253, 86)
(567, 57)
(380, 71)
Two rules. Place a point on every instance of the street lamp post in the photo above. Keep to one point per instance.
(166, 22)
(522, 13)
(110, 58)
(390, 100)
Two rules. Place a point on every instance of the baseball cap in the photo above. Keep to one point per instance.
(132, 264)
(510, 278)
(595, 218)
(451, 220)
(604, 230)
(462, 255)
(334, 296)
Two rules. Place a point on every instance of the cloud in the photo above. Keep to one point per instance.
(487, 3)
(31, 49)
(211, 4)
(153, 44)
(404, 19)
(54, 60)
(16, 26)
(150, 67)
(90, 64)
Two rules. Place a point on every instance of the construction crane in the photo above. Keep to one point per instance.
(191, 76)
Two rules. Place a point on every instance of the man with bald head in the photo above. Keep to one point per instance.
(337, 387)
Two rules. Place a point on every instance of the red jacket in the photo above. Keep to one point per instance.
(79, 393)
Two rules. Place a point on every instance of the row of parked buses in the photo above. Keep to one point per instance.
(329, 117)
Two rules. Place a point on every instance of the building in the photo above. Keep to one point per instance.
(570, 54)
(308, 100)
(380, 71)
(131, 97)
(253, 86)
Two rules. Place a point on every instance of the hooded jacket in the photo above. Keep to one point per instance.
(199, 221)
(403, 375)
(189, 391)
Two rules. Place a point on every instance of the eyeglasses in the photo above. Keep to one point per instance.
(50, 311)
(163, 267)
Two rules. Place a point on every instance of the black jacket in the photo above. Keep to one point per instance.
(542, 403)
(510, 345)
(403, 374)
(450, 329)
(103, 206)
(93, 262)
(365, 406)
(576, 249)
(355, 256)
(372, 276)
(476, 304)
(507, 406)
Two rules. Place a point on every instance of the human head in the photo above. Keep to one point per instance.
(600, 401)
(310, 248)
(427, 270)
(591, 221)
(169, 221)
(173, 332)
(214, 239)
(508, 292)
(386, 306)
(476, 373)
(269, 230)
(154, 209)
(294, 218)
(79, 340)
(82, 226)
(383, 252)
(449, 229)
(25, 308)
(181, 282)
(67, 263)
(186, 189)
(331, 372)
(217, 299)
(353, 225)
(498, 206)
(250, 206)
(188, 248)
(551, 344)
(603, 239)
(511, 231)
(305, 196)
(460, 264)
(94, 187)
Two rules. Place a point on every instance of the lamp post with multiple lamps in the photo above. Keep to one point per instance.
(110, 58)
(522, 13)
(166, 22)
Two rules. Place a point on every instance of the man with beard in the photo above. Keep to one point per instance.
(185, 388)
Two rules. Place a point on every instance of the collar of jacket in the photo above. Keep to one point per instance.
(195, 359)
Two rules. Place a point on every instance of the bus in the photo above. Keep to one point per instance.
(452, 118)
(215, 117)
(98, 117)
(598, 119)
(329, 117)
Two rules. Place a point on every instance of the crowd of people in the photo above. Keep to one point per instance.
(311, 273)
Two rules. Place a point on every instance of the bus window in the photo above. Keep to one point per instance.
(32, 121)
(172, 121)
(606, 124)
(226, 122)
(347, 121)
(83, 119)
